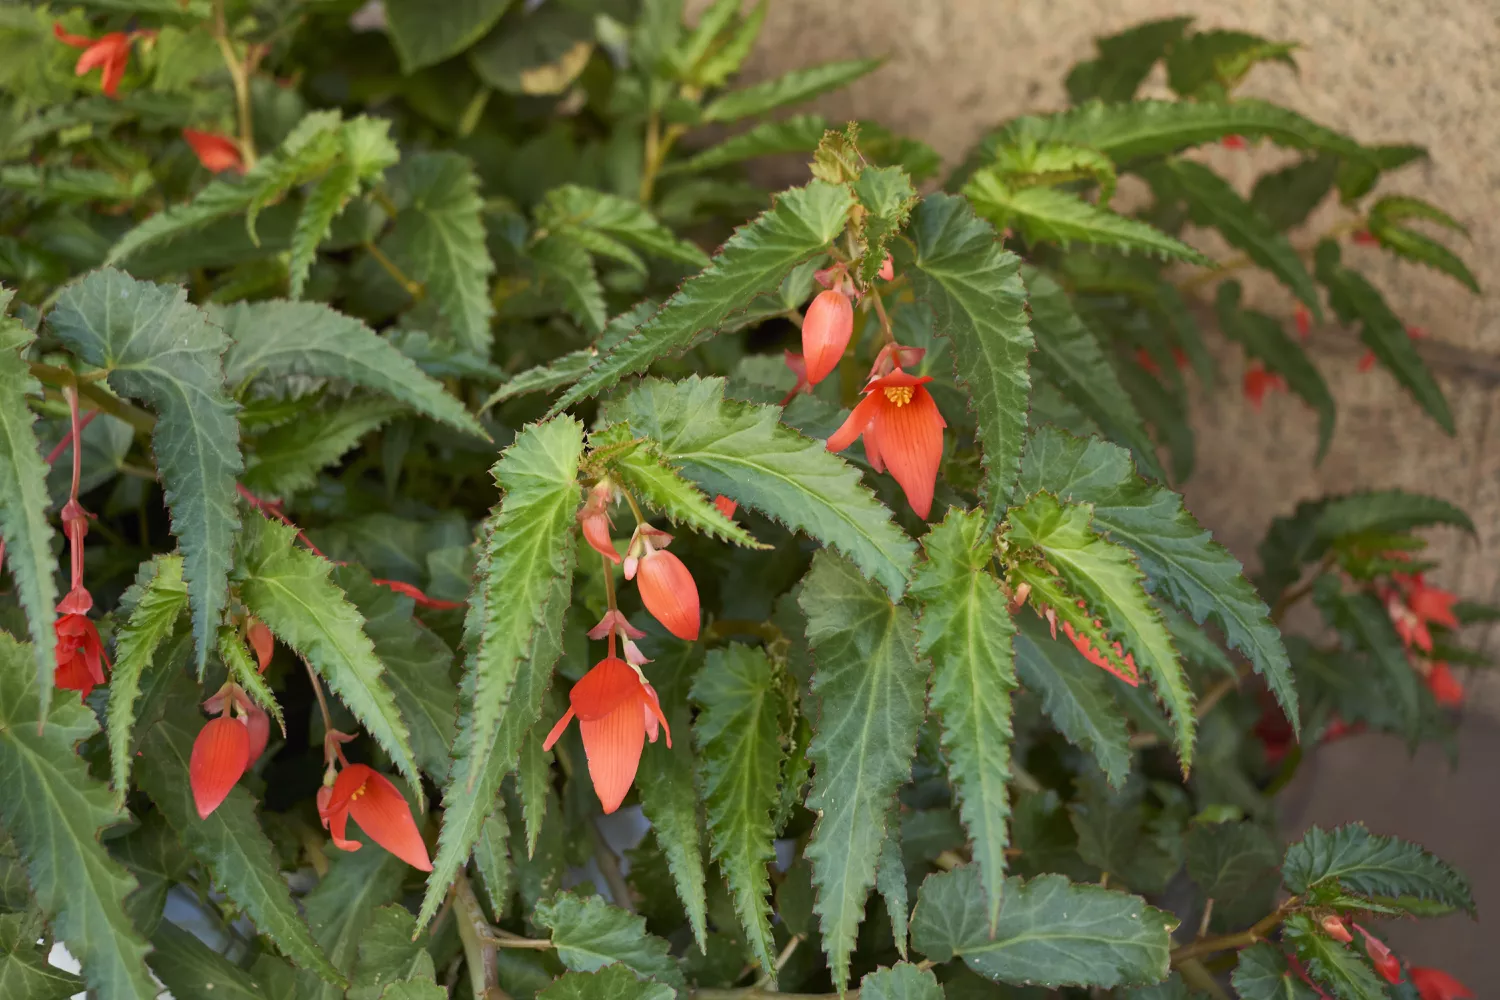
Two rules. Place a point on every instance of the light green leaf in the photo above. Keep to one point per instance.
(1051, 932)
(391, 952)
(797, 134)
(870, 688)
(325, 201)
(1054, 164)
(1367, 863)
(966, 631)
(24, 501)
(1384, 221)
(1209, 64)
(1110, 582)
(561, 371)
(1337, 967)
(800, 225)
(1212, 201)
(1124, 61)
(438, 240)
(1263, 974)
(343, 907)
(742, 451)
(219, 200)
(570, 210)
(157, 598)
(902, 981)
(890, 877)
(288, 588)
(424, 35)
(978, 302)
(1051, 215)
(53, 811)
(887, 196)
(229, 841)
(275, 339)
(166, 353)
(288, 458)
(613, 982)
(791, 88)
(740, 759)
(194, 971)
(492, 862)
(589, 934)
(1076, 695)
(534, 782)
(27, 975)
(246, 672)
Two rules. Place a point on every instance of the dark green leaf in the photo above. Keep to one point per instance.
(194, 971)
(798, 134)
(1370, 864)
(792, 88)
(589, 934)
(1335, 966)
(424, 35)
(1384, 218)
(344, 905)
(390, 952)
(587, 216)
(902, 981)
(613, 982)
(288, 458)
(1124, 61)
(1384, 512)
(1288, 196)
(1208, 64)
(157, 599)
(1235, 865)
(1077, 696)
(1263, 974)
(887, 196)
(27, 975)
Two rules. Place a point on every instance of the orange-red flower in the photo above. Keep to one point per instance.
(259, 725)
(380, 810)
(1385, 963)
(1435, 984)
(593, 517)
(261, 641)
(1258, 382)
(80, 654)
(798, 365)
(221, 753)
(887, 269)
(616, 711)
(1303, 319)
(1334, 928)
(109, 53)
(903, 432)
(725, 506)
(417, 595)
(667, 590)
(825, 333)
(217, 153)
(1364, 237)
(1446, 689)
(1415, 605)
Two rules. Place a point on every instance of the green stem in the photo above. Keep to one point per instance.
(473, 931)
(142, 420)
(1241, 939)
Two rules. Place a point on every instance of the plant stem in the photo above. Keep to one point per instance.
(412, 288)
(1293, 594)
(658, 144)
(317, 687)
(1240, 939)
(473, 928)
(240, 78)
(885, 321)
(609, 866)
(141, 420)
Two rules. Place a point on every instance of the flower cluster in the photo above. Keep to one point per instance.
(1414, 605)
(110, 54)
(1431, 984)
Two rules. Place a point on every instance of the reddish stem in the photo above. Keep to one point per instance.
(62, 446)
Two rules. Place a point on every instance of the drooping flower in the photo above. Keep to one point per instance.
(217, 153)
(593, 517)
(110, 53)
(1433, 605)
(903, 432)
(261, 641)
(259, 725)
(667, 588)
(616, 710)
(893, 356)
(221, 753)
(825, 333)
(80, 654)
(1259, 381)
(380, 810)
(1446, 689)
(1303, 320)
(1435, 984)
(1387, 964)
(1334, 928)
(725, 506)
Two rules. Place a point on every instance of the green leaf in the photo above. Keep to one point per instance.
(737, 732)
(1125, 60)
(1051, 932)
(870, 688)
(343, 907)
(1234, 864)
(1370, 864)
(613, 982)
(246, 672)
(570, 210)
(24, 501)
(166, 353)
(966, 631)
(531, 535)
(325, 201)
(561, 371)
(1072, 357)
(288, 458)
(1208, 64)
(742, 451)
(642, 470)
(1335, 966)
(1054, 164)
(229, 841)
(194, 971)
(1288, 196)
(54, 811)
(219, 200)
(1367, 620)
(424, 36)
(1357, 177)
(589, 934)
(492, 862)
(1355, 300)
(797, 134)
(438, 240)
(1380, 512)
(1051, 215)
(1212, 201)
(276, 339)
(1181, 560)
(27, 975)
(1384, 218)
(1109, 580)
(157, 598)
(1263, 974)
(540, 50)
(791, 88)
(565, 265)
(391, 951)
(974, 288)
(800, 225)
(1116, 835)
(1077, 696)
(887, 196)
(902, 981)
(288, 588)
(890, 877)
(1262, 337)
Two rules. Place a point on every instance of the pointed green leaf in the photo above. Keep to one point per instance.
(1379, 512)
(791, 88)
(1384, 218)
(1335, 966)
(1263, 974)
(344, 905)
(438, 240)
(613, 982)
(974, 288)
(1051, 932)
(246, 672)
(325, 201)
(589, 934)
(1054, 164)
(219, 200)
(1107, 577)
(887, 196)
(1208, 64)
(966, 631)
(570, 209)
(166, 353)
(492, 862)
(562, 371)
(1049, 215)
(1356, 178)
(797, 134)
(737, 732)
(870, 688)
(288, 458)
(800, 225)
(890, 877)
(1287, 197)
(289, 589)
(1235, 865)
(27, 975)
(742, 451)
(54, 811)
(902, 981)
(534, 782)
(1076, 695)
(229, 841)
(1367, 863)
(275, 339)
(567, 270)
(424, 35)
(391, 951)
(194, 971)
(1114, 836)
(157, 598)
(1364, 616)
(27, 534)
(1125, 60)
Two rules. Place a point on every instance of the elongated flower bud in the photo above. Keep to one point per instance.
(220, 755)
(258, 724)
(1334, 928)
(669, 593)
(825, 333)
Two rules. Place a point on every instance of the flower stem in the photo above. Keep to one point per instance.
(317, 687)
(239, 76)
(1240, 939)
(473, 931)
(885, 321)
(609, 866)
(142, 420)
(412, 288)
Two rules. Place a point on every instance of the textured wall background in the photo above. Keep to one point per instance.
(1385, 71)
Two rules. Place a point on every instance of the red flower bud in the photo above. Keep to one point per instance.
(220, 755)
(825, 333)
(217, 153)
(1385, 963)
(258, 724)
(887, 269)
(725, 506)
(1334, 928)
(261, 641)
(1435, 984)
(669, 593)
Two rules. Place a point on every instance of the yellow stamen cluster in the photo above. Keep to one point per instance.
(357, 793)
(899, 394)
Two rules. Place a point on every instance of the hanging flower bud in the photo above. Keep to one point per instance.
(80, 653)
(1334, 928)
(217, 153)
(258, 724)
(825, 333)
(669, 593)
(380, 810)
(221, 753)
(594, 519)
(261, 641)
(612, 703)
(887, 269)
(1385, 963)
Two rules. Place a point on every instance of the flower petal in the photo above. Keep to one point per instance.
(669, 593)
(77, 41)
(859, 418)
(825, 333)
(258, 724)
(220, 755)
(613, 745)
(1435, 984)
(911, 446)
(381, 811)
(261, 641)
(655, 716)
(216, 152)
(558, 730)
(603, 689)
(596, 533)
